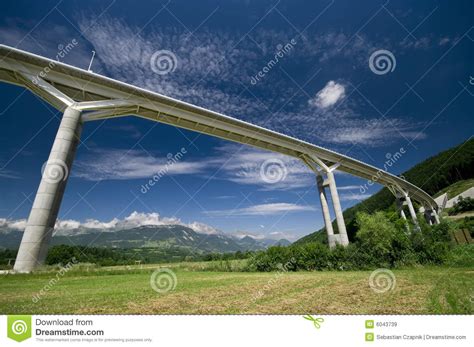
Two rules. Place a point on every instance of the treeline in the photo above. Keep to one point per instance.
(64, 254)
(432, 175)
(463, 205)
(381, 242)
(227, 256)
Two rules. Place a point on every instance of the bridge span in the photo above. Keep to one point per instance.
(85, 96)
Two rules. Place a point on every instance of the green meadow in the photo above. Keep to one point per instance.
(200, 288)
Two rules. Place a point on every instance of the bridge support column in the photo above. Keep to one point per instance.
(428, 217)
(341, 225)
(411, 209)
(313, 162)
(325, 209)
(431, 215)
(400, 209)
(436, 216)
(40, 225)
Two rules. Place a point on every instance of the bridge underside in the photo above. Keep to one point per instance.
(84, 96)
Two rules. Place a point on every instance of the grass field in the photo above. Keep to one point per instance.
(120, 290)
(456, 188)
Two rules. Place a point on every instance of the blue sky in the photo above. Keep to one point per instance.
(300, 68)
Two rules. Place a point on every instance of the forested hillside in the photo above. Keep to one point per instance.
(432, 175)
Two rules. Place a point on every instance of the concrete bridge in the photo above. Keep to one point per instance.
(84, 96)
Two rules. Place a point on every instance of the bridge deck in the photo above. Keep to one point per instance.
(82, 85)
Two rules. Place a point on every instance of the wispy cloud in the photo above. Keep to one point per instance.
(353, 187)
(235, 163)
(9, 174)
(46, 40)
(247, 165)
(262, 210)
(354, 197)
(214, 70)
(115, 164)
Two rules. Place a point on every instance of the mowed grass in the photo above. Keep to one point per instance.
(127, 291)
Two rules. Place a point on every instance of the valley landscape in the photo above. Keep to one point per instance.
(109, 271)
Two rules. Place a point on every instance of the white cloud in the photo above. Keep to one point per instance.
(354, 197)
(444, 40)
(204, 228)
(115, 164)
(354, 187)
(240, 234)
(236, 163)
(214, 68)
(262, 209)
(329, 95)
(9, 174)
(18, 224)
(47, 41)
(134, 220)
(271, 171)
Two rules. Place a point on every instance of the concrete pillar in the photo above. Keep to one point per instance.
(402, 213)
(400, 208)
(436, 217)
(428, 217)
(341, 226)
(411, 209)
(40, 225)
(431, 215)
(325, 209)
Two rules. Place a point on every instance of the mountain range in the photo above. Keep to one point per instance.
(149, 236)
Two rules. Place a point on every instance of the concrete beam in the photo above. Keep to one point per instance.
(40, 225)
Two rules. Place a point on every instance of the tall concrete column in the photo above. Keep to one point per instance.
(341, 225)
(436, 216)
(400, 208)
(40, 225)
(431, 215)
(325, 209)
(402, 213)
(428, 217)
(411, 209)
